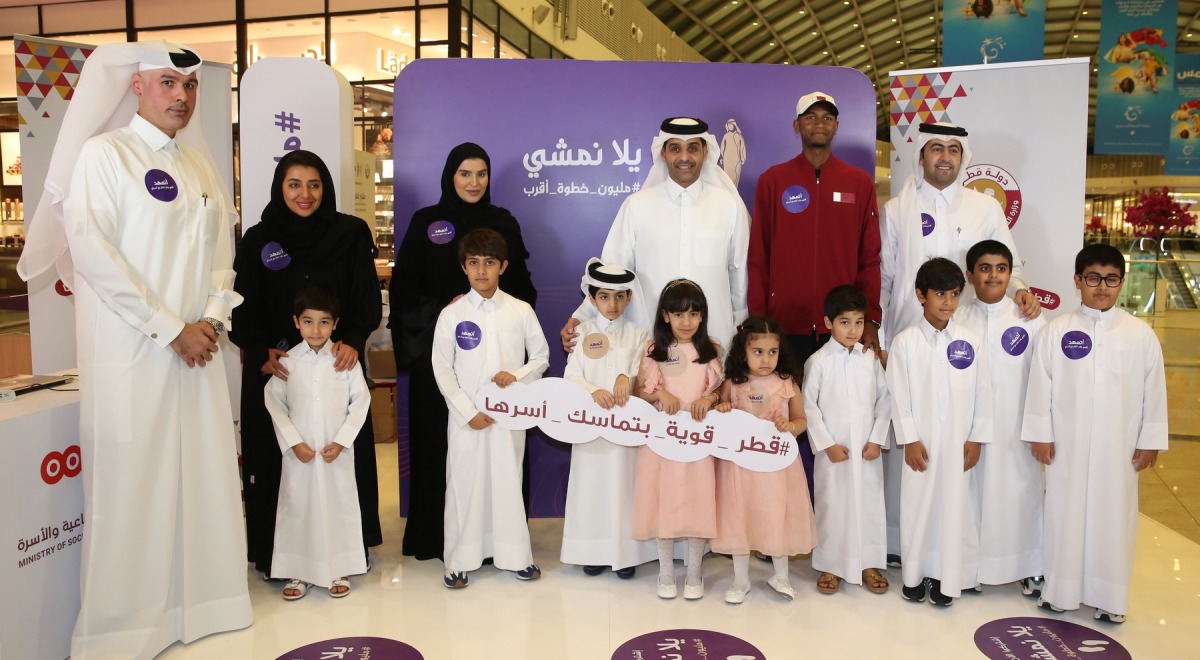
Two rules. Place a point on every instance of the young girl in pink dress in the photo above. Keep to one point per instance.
(765, 511)
(681, 371)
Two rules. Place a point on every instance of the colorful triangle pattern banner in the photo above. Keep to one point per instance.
(922, 98)
(44, 70)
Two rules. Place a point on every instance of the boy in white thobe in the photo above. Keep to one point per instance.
(1008, 483)
(941, 412)
(849, 410)
(1096, 415)
(317, 413)
(484, 337)
(598, 525)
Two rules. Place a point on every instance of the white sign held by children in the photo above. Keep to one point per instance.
(567, 413)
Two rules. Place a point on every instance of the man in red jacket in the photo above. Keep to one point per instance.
(816, 226)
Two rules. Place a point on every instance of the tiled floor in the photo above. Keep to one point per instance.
(567, 616)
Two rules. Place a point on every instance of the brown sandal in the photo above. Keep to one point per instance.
(874, 581)
(828, 583)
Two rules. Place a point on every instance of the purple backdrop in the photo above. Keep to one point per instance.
(570, 139)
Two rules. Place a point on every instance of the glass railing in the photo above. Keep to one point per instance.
(1173, 261)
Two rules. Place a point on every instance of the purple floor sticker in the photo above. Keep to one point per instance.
(1022, 637)
(687, 644)
(354, 648)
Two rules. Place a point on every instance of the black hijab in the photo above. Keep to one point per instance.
(453, 205)
(318, 234)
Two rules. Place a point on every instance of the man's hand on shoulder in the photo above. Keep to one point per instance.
(1030, 306)
(196, 343)
(568, 334)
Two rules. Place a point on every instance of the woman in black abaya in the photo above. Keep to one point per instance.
(426, 278)
(302, 238)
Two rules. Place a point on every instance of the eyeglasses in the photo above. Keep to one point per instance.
(810, 117)
(1111, 281)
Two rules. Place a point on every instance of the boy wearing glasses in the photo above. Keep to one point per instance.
(1095, 415)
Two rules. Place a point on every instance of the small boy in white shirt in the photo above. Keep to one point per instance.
(484, 337)
(849, 410)
(317, 412)
(598, 525)
(1095, 416)
(942, 414)
(1008, 480)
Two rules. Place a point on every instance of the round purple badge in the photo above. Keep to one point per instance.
(1034, 637)
(687, 644)
(468, 335)
(1076, 344)
(441, 232)
(275, 257)
(355, 648)
(926, 224)
(161, 186)
(960, 353)
(1015, 340)
(795, 199)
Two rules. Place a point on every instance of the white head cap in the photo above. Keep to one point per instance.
(807, 101)
(687, 128)
(102, 101)
(608, 275)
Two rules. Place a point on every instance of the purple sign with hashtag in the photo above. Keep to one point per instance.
(564, 171)
(1030, 638)
(354, 648)
(687, 644)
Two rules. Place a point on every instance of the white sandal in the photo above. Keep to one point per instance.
(340, 582)
(295, 585)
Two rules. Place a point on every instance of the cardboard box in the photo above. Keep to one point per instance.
(383, 414)
(381, 365)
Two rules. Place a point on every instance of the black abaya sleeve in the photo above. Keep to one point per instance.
(362, 309)
(249, 329)
(413, 312)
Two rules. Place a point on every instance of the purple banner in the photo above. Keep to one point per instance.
(569, 140)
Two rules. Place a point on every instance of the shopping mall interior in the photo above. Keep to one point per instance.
(567, 614)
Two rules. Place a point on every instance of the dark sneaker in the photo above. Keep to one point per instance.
(1032, 586)
(893, 561)
(627, 573)
(936, 596)
(530, 572)
(915, 594)
(593, 570)
(1045, 605)
(1105, 615)
(455, 580)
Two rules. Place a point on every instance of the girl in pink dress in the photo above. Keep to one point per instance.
(681, 371)
(765, 511)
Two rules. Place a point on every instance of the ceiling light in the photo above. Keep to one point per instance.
(814, 34)
(483, 41)
(395, 32)
(855, 25)
(756, 23)
(772, 43)
(862, 45)
(1074, 36)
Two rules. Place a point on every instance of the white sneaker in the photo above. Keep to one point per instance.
(782, 587)
(737, 594)
(667, 590)
(1105, 615)
(693, 591)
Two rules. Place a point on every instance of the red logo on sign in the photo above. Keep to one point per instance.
(61, 288)
(1049, 299)
(58, 465)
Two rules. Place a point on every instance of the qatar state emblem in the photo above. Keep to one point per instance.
(997, 183)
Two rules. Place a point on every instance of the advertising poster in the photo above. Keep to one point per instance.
(570, 140)
(1183, 152)
(987, 31)
(1040, 190)
(1135, 86)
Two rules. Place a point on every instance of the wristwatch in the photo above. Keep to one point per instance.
(217, 325)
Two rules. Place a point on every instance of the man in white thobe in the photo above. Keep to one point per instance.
(935, 215)
(688, 220)
(1096, 415)
(147, 227)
